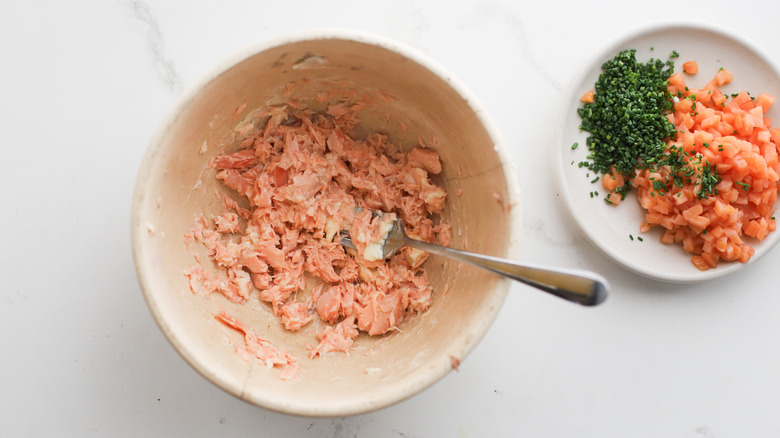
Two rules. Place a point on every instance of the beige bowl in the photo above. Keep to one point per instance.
(411, 98)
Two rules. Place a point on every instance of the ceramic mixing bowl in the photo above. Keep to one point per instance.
(410, 97)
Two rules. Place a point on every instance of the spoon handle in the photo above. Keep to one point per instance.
(579, 286)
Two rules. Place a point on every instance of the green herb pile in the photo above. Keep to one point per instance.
(628, 125)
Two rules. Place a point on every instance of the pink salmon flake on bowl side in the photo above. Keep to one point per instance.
(304, 179)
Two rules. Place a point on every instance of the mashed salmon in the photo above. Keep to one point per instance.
(298, 179)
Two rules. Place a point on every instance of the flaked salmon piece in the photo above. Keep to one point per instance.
(266, 243)
(242, 184)
(433, 196)
(247, 143)
(251, 259)
(336, 338)
(413, 212)
(280, 176)
(224, 252)
(242, 159)
(261, 281)
(380, 312)
(302, 188)
(286, 282)
(336, 301)
(242, 282)
(337, 142)
(443, 233)
(295, 315)
(240, 109)
(227, 223)
(261, 349)
(350, 271)
(500, 199)
(455, 363)
(203, 283)
(322, 258)
(196, 232)
(425, 158)
(339, 110)
(200, 280)
(231, 204)
(383, 166)
(263, 149)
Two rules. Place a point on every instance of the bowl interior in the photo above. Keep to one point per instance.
(406, 101)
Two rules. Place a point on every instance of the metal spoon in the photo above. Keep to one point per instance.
(579, 286)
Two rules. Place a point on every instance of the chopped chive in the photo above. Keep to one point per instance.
(626, 120)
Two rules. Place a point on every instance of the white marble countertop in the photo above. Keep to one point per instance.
(83, 84)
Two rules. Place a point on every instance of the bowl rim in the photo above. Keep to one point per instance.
(140, 250)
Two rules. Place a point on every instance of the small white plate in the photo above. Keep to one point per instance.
(610, 228)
